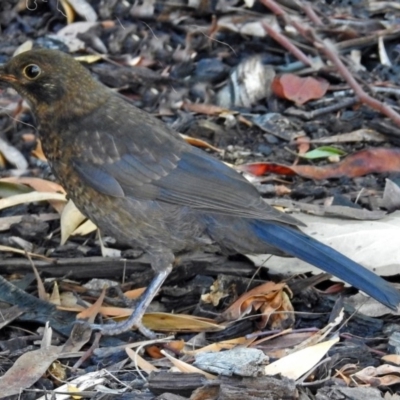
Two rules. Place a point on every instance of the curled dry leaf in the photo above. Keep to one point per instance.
(26, 46)
(38, 151)
(271, 299)
(71, 218)
(384, 375)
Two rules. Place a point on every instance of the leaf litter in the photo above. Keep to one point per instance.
(169, 43)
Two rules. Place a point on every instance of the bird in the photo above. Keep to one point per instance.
(141, 183)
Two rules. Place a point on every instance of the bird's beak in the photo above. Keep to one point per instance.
(4, 77)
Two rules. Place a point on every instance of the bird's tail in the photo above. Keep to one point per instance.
(296, 243)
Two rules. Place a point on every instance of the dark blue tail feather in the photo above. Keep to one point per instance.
(296, 243)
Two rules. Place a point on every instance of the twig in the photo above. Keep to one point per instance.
(309, 115)
(284, 42)
(331, 54)
(327, 48)
(309, 11)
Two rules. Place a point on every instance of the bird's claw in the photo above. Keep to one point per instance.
(116, 328)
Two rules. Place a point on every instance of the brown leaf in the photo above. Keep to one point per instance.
(298, 89)
(377, 160)
(268, 298)
(38, 151)
(29, 368)
(200, 143)
(91, 312)
(40, 185)
(154, 351)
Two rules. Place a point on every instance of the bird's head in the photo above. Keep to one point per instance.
(49, 79)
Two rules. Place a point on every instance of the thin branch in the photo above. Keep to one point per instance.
(284, 42)
(331, 54)
(311, 14)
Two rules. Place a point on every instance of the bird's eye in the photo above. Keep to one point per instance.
(32, 71)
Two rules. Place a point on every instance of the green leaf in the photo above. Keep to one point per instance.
(8, 189)
(323, 152)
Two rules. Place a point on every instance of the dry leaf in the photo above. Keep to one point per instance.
(38, 184)
(297, 364)
(224, 345)
(38, 151)
(140, 361)
(179, 323)
(29, 368)
(185, 367)
(81, 383)
(200, 143)
(299, 89)
(71, 218)
(270, 299)
(55, 295)
(392, 358)
(90, 313)
(372, 244)
(84, 229)
(364, 162)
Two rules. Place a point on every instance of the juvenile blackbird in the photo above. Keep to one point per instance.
(137, 180)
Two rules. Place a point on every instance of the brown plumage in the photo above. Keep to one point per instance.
(141, 183)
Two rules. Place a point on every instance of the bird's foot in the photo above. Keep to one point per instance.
(135, 319)
(116, 328)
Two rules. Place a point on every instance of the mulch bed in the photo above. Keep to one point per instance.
(303, 98)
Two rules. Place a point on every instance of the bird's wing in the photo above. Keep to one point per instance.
(138, 156)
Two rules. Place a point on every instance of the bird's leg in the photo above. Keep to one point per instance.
(162, 265)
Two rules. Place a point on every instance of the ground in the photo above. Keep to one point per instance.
(301, 97)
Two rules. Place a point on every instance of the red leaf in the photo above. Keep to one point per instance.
(263, 168)
(297, 89)
(377, 160)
